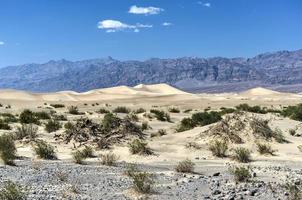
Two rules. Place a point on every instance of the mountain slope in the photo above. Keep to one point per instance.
(192, 74)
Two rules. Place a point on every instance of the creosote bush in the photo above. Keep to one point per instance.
(253, 109)
(142, 181)
(45, 150)
(265, 149)
(293, 112)
(185, 166)
(121, 109)
(52, 125)
(109, 159)
(28, 131)
(242, 155)
(29, 117)
(241, 173)
(161, 115)
(139, 147)
(12, 191)
(218, 148)
(7, 149)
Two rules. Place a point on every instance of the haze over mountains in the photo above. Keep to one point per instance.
(279, 70)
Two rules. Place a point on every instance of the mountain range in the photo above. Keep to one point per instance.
(280, 70)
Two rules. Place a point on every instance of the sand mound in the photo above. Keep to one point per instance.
(159, 88)
(259, 91)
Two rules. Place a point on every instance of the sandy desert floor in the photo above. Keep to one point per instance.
(211, 178)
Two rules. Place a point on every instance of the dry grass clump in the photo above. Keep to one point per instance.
(28, 131)
(185, 166)
(109, 159)
(242, 155)
(241, 173)
(52, 125)
(88, 152)
(139, 147)
(45, 150)
(265, 149)
(7, 149)
(12, 191)
(80, 155)
(218, 148)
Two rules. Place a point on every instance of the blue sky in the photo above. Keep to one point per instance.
(42, 30)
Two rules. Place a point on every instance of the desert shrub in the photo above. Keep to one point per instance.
(69, 125)
(185, 124)
(260, 127)
(265, 149)
(42, 115)
(28, 117)
(159, 133)
(300, 148)
(205, 118)
(185, 166)
(121, 109)
(226, 110)
(57, 105)
(78, 157)
(4, 125)
(293, 112)
(142, 181)
(45, 150)
(161, 115)
(279, 137)
(74, 110)
(253, 109)
(145, 126)
(109, 159)
(88, 152)
(139, 110)
(218, 148)
(132, 117)
(60, 117)
(12, 191)
(187, 110)
(7, 149)
(242, 155)
(26, 131)
(103, 111)
(109, 120)
(292, 132)
(174, 110)
(52, 125)
(139, 147)
(294, 191)
(241, 173)
(8, 117)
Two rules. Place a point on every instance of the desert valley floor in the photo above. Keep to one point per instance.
(152, 142)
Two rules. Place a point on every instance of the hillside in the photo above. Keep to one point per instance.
(280, 70)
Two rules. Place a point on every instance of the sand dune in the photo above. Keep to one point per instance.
(259, 91)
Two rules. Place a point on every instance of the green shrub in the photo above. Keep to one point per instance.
(74, 110)
(185, 166)
(265, 149)
(26, 131)
(242, 155)
(293, 112)
(218, 148)
(42, 115)
(29, 117)
(45, 150)
(145, 126)
(12, 191)
(8, 117)
(4, 125)
(132, 117)
(103, 111)
(139, 110)
(161, 115)
(121, 109)
(205, 118)
(69, 125)
(88, 152)
(109, 121)
(226, 111)
(109, 159)
(142, 182)
(52, 126)
(57, 105)
(292, 132)
(185, 124)
(241, 174)
(253, 109)
(174, 110)
(7, 149)
(279, 137)
(139, 147)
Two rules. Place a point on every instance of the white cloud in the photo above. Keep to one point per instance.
(112, 26)
(167, 24)
(145, 10)
(2, 43)
(207, 4)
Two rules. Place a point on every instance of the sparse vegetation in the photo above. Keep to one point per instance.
(139, 111)
(293, 112)
(294, 191)
(73, 110)
(45, 150)
(109, 159)
(57, 105)
(265, 149)
(42, 115)
(52, 126)
(161, 115)
(132, 117)
(292, 132)
(121, 109)
(78, 157)
(253, 109)
(139, 147)
(242, 155)
(69, 125)
(7, 149)
(28, 131)
(241, 173)
(145, 126)
(218, 148)
(279, 137)
(185, 124)
(142, 181)
(174, 110)
(103, 111)
(193, 145)
(88, 152)
(4, 125)
(12, 191)
(8, 118)
(159, 133)
(29, 117)
(109, 121)
(185, 166)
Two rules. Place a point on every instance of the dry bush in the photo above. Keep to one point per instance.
(78, 157)
(28, 131)
(121, 109)
(159, 133)
(242, 155)
(185, 166)
(241, 174)
(193, 145)
(294, 191)
(12, 191)
(45, 150)
(7, 149)
(218, 148)
(265, 149)
(109, 159)
(52, 126)
(142, 182)
(139, 147)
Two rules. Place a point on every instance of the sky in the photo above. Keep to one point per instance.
(36, 31)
